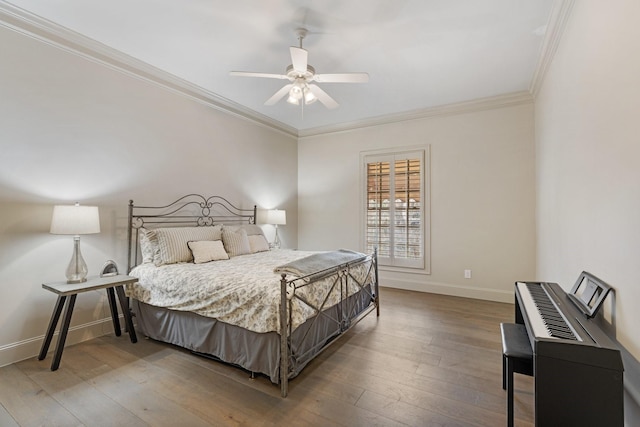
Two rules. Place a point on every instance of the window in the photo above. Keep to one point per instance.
(395, 214)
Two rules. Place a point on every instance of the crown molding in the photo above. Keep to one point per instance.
(558, 18)
(489, 103)
(63, 38)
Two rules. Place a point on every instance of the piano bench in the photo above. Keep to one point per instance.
(517, 357)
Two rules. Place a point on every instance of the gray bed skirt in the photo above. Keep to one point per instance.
(255, 352)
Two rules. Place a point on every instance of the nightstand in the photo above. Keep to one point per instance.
(71, 290)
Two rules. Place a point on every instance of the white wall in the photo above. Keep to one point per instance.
(482, 197)
(75, 130)
(587, 152)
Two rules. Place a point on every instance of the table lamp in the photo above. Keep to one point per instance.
(276, 217)
(75, 220)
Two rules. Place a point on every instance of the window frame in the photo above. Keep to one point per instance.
(423, 264)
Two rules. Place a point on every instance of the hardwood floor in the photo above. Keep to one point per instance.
(428, 360)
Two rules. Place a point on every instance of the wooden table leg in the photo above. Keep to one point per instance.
(63, 332)
(114, 311)
(127, 313)
(52, 326)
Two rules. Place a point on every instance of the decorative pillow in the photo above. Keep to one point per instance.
(236, 242)
(258, 243)
(148, 245)
(172, 242)
(251, 229)
(207, 250)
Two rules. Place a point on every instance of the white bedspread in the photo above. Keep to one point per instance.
(242, 291)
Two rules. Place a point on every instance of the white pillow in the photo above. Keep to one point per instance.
(236, 242)
(148, 245)
(251, 229)
(258, 243)
(172, 242)
(207, 250)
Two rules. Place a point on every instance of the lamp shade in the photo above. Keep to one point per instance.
(75, 219)
(276, 217)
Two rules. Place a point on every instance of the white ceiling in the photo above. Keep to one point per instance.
(419, 53)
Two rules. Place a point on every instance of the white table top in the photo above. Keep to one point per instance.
(92, 283)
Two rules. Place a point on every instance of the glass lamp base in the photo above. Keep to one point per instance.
(77, 269)
(276, 240)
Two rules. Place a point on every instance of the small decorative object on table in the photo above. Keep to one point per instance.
(109, 269)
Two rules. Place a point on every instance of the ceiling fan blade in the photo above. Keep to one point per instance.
(279, 94)
(299, 58)
(250, 74)
(342, 78)
(323, 97)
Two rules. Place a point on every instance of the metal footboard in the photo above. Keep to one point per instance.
(342, 279)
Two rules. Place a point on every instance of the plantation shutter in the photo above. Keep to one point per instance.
(395, 208)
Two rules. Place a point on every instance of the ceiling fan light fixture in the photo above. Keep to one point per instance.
(309, 97)
(295, 95)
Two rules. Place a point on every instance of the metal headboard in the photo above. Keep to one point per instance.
(190, 210)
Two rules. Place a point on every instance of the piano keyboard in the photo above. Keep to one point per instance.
(545, 318)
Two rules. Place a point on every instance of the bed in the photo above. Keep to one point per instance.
(209, 282)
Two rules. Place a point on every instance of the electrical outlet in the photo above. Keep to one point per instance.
(467, 274)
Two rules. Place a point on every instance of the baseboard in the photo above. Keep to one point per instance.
(25, 349)
(497, 295)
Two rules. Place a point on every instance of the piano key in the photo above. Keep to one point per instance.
(545, 318)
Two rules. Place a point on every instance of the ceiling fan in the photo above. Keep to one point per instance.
(302, 90)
